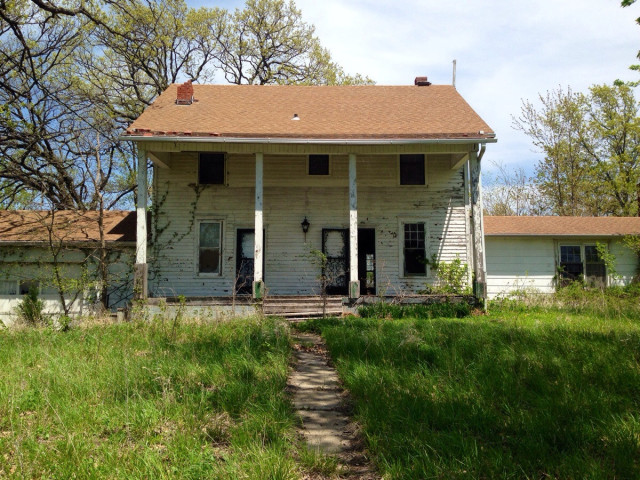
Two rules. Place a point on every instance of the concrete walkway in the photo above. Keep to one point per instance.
(322, 405)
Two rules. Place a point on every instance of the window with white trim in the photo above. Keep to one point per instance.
(210, 247)
(27, 285)
(8, 287)
(582, 261)
(414, 249)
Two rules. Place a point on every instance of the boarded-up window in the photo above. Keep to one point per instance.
(8, 287)
(210, 247)
(318, 164)
(211, 169)
(412, 169)
(414, 249)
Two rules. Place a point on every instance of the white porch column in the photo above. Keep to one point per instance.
(140, 274)
(354, 284)
(258, 283)
(479, 263)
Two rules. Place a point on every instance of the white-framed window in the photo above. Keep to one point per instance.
(412, 168)
(318, 165)
(8, 287)
(209, 247)
(581, 261)
(414, 248)
(24, 286)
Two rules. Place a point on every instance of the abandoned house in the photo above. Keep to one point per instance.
(283, 190)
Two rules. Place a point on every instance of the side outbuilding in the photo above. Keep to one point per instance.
(535, 253)
(58, 253)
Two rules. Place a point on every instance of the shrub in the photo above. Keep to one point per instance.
(451, 277)
(31, 309)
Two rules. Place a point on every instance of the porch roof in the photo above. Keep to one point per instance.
(357, 113)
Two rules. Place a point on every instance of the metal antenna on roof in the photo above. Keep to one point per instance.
(454, 73)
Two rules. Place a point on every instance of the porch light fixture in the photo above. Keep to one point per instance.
(295, 117)
(305, 225)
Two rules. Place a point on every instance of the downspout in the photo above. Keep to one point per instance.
(483, 148)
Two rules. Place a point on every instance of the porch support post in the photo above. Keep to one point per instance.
(140, 274)
(258, 283)
(354, 284)
(479, 263)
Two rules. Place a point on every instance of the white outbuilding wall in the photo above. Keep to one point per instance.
(516, 263)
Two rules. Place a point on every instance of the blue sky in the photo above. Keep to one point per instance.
(506, 50)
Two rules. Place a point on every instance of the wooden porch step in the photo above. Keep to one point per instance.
(302, 306)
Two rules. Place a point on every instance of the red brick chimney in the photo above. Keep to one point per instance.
(185, 93)
(422, 82)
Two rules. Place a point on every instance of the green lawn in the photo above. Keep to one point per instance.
(147, 400)
(515, 394)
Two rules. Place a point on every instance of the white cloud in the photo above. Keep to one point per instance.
(506, 50)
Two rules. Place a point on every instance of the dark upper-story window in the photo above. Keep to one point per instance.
(412, 171)
(211, 169)
(318, 164)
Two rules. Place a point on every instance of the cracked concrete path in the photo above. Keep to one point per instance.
(322, 405)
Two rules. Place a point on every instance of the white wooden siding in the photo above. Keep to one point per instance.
(525, 263)
(24, 263)
(290, 195)
(529, 263)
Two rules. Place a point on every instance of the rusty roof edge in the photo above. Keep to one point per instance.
(111, 244)
(271, 140)
(512, 234)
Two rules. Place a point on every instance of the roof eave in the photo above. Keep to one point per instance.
(298, 141)
(110, 244)
(557, 234)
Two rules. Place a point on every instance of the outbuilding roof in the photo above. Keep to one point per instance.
(34, 226)
(364, 112)
(561, 226)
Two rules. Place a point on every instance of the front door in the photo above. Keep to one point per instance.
(244, 260)
(367, 260)
(335, 246)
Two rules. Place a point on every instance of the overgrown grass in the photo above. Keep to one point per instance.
(608, 303)
(418, 310)
(147, 400)
(515, 394)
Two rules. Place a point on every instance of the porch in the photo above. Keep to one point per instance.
(291, 307)
(357, 228)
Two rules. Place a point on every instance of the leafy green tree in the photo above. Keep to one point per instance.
(611, 140)
(591, 147)
(268, 42)
(555, 129)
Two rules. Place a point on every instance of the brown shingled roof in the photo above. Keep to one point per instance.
(32, 226)
(561, 226)
(326, 112)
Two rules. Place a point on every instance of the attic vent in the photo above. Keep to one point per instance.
(422, 82)
(185, 93)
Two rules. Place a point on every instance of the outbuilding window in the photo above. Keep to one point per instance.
(211, 168)
(210, 247)
(412, 169)
(582, 261)
(8, 287)
(414, 251)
